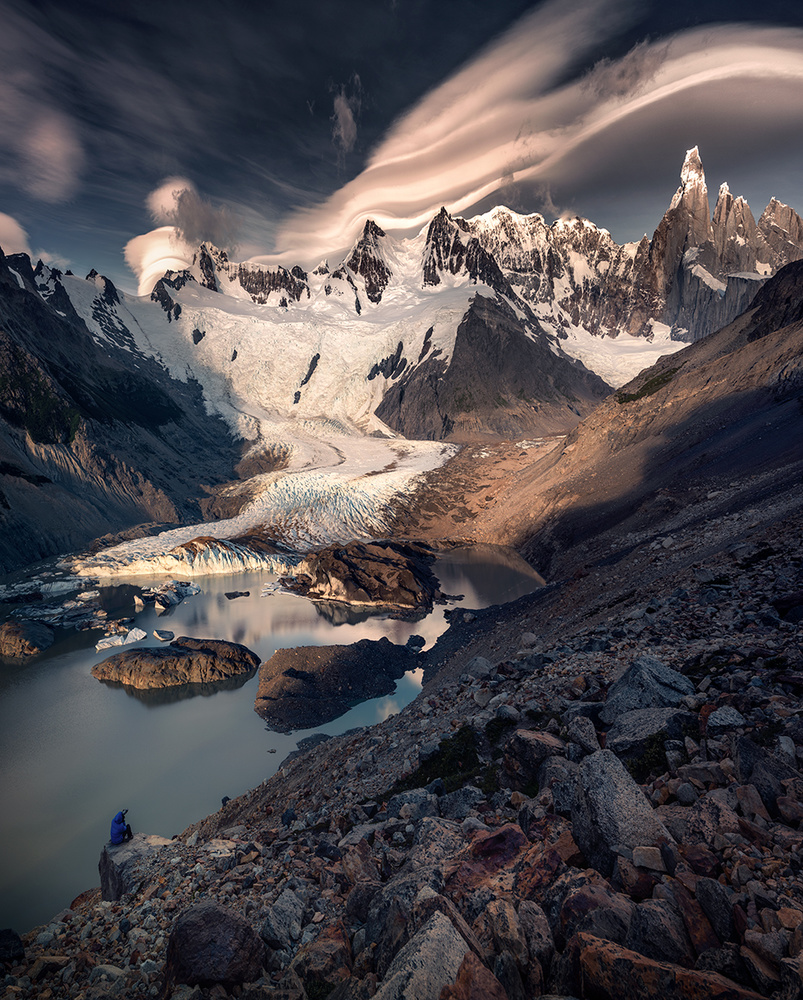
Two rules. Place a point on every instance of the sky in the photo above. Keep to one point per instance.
(130, 133)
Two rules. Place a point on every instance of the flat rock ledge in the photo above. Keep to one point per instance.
(387, 573)
(310, 685)
(118, 863)
(183, 661)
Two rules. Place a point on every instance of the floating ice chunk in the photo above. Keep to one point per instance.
(135, 635)
(108, 641)
(163, 635)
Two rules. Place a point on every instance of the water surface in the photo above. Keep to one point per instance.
(74, 751)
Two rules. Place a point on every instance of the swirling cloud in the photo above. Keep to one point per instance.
(511, 117)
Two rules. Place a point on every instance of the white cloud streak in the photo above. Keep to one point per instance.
(507, 117)
(344, 119)
(13, 238)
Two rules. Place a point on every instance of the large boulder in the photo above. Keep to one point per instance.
(611, 812)
(647, 683)
(607, 971)
(430, 961)
(635, 733)
(119, 862)
(183, 661)
(387, 573)
(525, 752)
(20, 639)
(309, 685)
(211, 944)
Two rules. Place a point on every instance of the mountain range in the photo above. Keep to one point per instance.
(119, 410)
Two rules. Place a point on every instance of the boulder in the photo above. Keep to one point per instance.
(387, 573)
(474, 982)
(282, 925)
(657, 931)
(526, 750)
(559, 775)
(611, 812)
(328, 958)
(118, 863)
(715, 900)
(183, 661)
(429, 961)
(597, 909)
(309, 685)
(212, 944)
(647, 683)
(636, 732)
(764, 770)
(608, 971)
(582, 732)
(20, 639)
(12, 949)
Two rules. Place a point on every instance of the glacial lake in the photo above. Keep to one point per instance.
(74, 751)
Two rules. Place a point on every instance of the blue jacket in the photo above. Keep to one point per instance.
(118, 829)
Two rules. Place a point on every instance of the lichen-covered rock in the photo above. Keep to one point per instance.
(611, 811)
(118, 863)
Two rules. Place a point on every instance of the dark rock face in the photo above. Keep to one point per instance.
(499, 382)
(183, 661)
(393, 574)
(310, 685)
(367, 261)
(24, 638)
(117, 441)
(212, 944)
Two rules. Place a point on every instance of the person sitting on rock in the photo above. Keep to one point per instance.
(121, 831)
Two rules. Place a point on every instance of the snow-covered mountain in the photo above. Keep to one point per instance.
(496, 326)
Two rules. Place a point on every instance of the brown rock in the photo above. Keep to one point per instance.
(327, 958)
(698, 926)
(608, 971)
(183, 661)
(526, 750)
(538, 871)
(599, 911)
(474, 982)
(388, 573)
(19, 639)
(309, 685)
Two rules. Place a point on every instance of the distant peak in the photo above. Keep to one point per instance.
(724, 190)
(371, 231)
(692, 171)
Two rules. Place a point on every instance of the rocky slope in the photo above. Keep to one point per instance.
(481, 842)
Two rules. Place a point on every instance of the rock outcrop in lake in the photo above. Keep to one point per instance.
(20, 639)
(388, 573)
(310, 685)
(183, 661)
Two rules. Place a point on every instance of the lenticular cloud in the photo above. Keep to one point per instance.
(509, 116)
